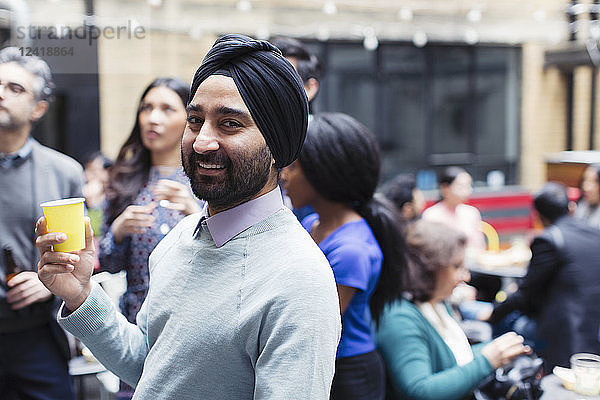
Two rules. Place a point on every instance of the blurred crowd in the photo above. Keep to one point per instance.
(415, 322)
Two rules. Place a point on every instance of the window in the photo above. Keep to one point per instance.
(430, 107)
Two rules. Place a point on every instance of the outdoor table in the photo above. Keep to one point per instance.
(554, 390)
(508, 271)
(508, 274)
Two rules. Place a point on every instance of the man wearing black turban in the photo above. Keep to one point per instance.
(242, 304)
(273, 95)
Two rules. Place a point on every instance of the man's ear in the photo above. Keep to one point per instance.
(39, 109)
(311, 86)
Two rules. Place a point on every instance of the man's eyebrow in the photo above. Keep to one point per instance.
(193, 107)
(220, 110)
(224, 110)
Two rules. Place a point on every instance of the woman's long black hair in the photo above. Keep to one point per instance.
(131, 169)
(341, 160)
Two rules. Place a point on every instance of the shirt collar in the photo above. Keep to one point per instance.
(7, 160)
(229, 223)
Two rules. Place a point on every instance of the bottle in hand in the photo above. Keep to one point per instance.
(12, 269)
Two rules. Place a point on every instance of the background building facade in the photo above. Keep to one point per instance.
(489, 85)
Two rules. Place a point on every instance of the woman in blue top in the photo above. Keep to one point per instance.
(337, 172)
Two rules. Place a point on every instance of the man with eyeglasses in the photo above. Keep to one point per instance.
(34, 350)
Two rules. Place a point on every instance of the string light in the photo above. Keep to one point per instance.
(405, 14)
(329, 8)
(370, 42)
(539, 15)
(420, 39)
(323, 33)
(60, 30)
(244, 6)
(263, 33)
(471, 36)
(474, 15)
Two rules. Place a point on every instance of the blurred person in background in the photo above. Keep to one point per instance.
(561, 290)
(588, 208)
(456, 186)
(148, 192)
(310, 70)
(95, 168)
(428, 356)
(34, 350)
(337, 173)
(306, 64)
(403, 192)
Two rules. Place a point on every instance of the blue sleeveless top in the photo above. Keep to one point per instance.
(355, 257)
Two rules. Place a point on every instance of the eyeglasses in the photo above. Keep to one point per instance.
(12, 89)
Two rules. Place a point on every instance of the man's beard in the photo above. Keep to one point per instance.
(245, 175)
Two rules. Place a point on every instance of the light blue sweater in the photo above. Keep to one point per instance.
(255, 319)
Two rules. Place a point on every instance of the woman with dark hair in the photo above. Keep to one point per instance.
(588, 207)
(455, 189)
(148, 192)
(426, 352)
(359, 233)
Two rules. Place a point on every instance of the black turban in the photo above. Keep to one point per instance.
(269, 86)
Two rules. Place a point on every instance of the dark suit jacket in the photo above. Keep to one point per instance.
(561, 291)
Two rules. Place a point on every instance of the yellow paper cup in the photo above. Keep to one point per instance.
(66, 216)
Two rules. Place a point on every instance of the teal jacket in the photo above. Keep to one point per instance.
(420, 365)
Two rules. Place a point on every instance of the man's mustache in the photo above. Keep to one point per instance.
(209, 158)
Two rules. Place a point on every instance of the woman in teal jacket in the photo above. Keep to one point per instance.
(427, 355)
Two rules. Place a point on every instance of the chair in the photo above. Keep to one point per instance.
(493, 241)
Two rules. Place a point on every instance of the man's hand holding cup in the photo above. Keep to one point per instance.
(66, 275)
